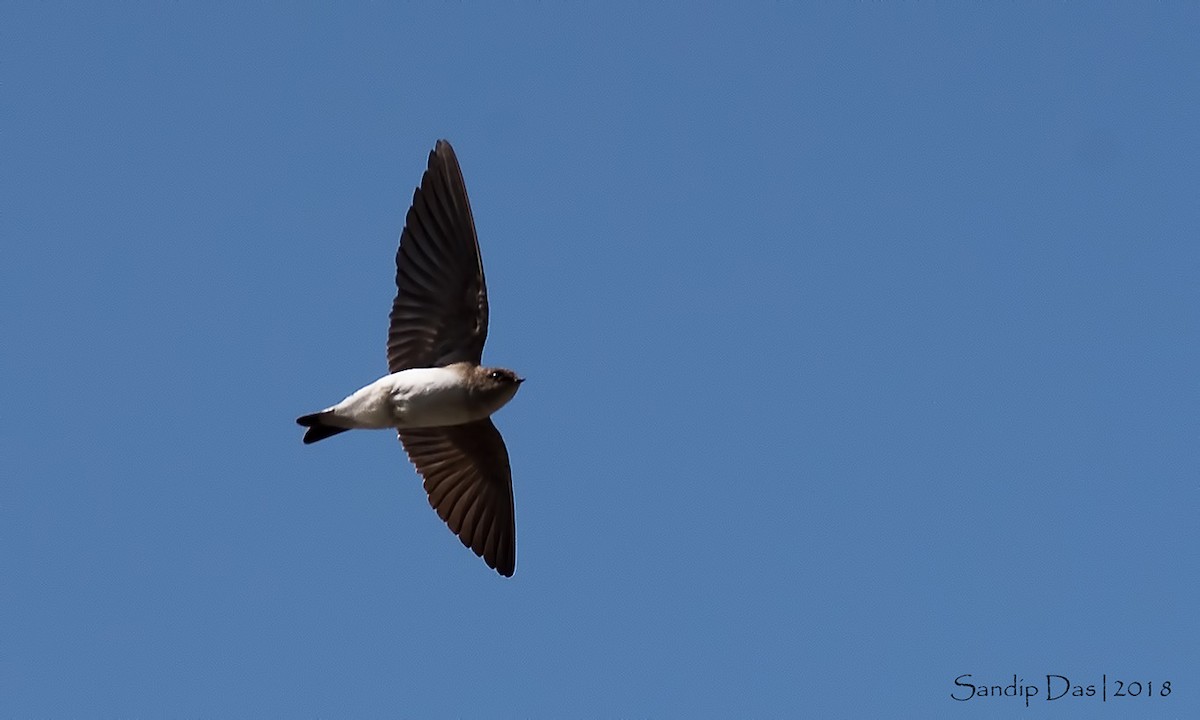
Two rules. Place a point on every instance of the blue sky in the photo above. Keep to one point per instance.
(861, 342)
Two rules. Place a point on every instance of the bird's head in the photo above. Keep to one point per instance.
(496, 386)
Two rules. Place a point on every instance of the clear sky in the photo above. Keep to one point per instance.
(862, 343)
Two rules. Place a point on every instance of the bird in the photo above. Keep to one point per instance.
(437, 395)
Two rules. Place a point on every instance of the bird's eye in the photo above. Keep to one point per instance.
(496, 375)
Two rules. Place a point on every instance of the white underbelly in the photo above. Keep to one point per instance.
(420, 397)
(432, 408)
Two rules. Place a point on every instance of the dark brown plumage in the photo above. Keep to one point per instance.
(440, 317)
(440, 314)
(469, 483)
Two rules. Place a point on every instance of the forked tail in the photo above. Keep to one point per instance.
(318, 429)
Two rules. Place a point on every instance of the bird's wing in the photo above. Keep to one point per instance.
(469, 482)
(440, 314)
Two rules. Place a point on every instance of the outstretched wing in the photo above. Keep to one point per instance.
(469, 482)
(440, 314)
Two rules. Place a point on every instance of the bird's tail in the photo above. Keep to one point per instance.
(318, 429)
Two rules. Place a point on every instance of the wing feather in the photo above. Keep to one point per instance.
(440, 314)
(469, 482)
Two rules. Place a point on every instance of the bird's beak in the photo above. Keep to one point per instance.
(520, 380)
